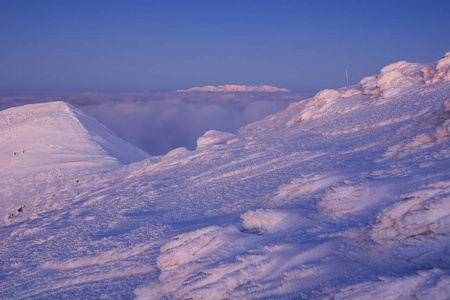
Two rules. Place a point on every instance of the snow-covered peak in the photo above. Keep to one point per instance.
(393, 81)
(235, 88)
(45, 136)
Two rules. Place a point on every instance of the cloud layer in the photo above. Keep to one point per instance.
(159, 122)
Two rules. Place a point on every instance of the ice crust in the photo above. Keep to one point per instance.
(345, 195)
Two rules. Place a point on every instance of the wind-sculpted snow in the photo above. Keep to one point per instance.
(341, 196)
(433, 284)
(392, 80)
(221, 262)
(442, 70)
(264, 220)
(418, 228)
(214, 137)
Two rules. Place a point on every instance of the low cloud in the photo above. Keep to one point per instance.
(159, 122)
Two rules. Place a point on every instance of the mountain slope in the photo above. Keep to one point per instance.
(44, 136)
(53, 140)
(344, 195)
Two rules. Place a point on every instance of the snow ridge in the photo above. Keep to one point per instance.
(55, 134)
(235, 88)
(44, 143)
(393, 80)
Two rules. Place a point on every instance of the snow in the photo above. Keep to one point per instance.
(235, 88)
(422, 218)
(51, 141)
(263, 221)
(441, 71)
(214, 137)
(345, 195)
(397, 76)
(434, 284)
(44, 136)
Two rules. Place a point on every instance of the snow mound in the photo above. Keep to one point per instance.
(179, 261)
(419, 226)
(300, 189)
(442, 70)
(263, 220)
(327, 95)
(397, 76)
(224, 262)
(56, 135)
(400, 75)
(345, 198)
(214, 137)
(235, 88)
(323, 104)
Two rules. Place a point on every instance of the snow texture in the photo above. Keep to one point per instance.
(345, 195)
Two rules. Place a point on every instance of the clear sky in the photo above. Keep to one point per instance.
(304, 46)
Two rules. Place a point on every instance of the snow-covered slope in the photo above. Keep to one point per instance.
(44, 136)
(53, 140)
(341, 196)
(235, 88)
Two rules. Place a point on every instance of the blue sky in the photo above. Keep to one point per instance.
(304, 46)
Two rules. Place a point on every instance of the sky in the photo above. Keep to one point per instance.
(304, 46)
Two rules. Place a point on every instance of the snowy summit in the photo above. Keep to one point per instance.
(235, 88)
(345, 195)
(39, 137)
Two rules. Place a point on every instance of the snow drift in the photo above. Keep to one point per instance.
(341, 196)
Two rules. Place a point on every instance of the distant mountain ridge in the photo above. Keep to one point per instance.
(235, 88)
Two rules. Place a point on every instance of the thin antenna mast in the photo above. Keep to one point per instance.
(346, 77)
